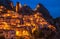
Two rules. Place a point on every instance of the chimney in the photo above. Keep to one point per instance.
(18, 6)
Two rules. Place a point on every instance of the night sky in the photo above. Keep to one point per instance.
(53, 6)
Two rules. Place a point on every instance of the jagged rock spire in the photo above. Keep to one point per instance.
(45, 13)
(18, 6)
(40, 8)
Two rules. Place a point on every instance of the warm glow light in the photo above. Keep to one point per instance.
(23, 24)
(18, 33)
(1, 6)
(25, 33)
(22, 33)
(32, 20)
(18, 20)
(33, 30)
(5, 26)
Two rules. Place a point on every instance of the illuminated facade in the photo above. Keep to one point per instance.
(15, 25)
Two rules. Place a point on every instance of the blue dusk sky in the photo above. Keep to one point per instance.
(53, 6)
